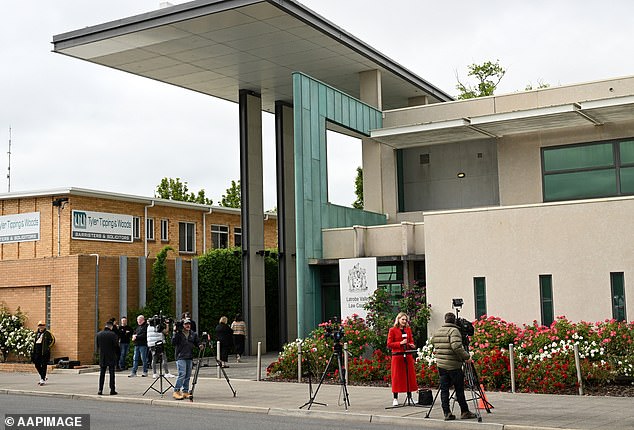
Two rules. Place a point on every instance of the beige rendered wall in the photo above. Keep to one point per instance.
(519, 158)
(578, 243)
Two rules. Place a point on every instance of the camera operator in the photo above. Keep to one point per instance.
(450, 355)
(399, 340)
(185, 341)
(156, 334)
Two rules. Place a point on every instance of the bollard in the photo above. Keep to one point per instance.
(259, 373)
(512, 365)
(578, 366)
(299, 362)
(218, 362)
(345, 362)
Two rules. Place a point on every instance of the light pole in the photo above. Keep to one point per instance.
(59, 203)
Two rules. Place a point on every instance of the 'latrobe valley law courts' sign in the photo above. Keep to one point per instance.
(102, 226)
(20, 227)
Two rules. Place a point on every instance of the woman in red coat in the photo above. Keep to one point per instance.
(399, 340)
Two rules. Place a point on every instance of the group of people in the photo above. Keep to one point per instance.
(450, 357)
(114, 344)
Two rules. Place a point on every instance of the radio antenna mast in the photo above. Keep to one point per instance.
(9, 169)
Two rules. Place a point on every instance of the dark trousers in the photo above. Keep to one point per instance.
(102, 376)
(447, 379)
(40, 362)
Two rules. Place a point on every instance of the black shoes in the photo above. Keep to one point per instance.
(467, 415)
(99, 393)
(450, 417)
(113, 393)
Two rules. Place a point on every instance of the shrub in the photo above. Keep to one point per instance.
(15, 339)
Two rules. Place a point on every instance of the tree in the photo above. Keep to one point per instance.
(233, 197)
(161, 290)
(358, 189)
(488, 74)
(174, 189)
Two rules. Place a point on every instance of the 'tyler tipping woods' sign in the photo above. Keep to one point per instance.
(20, 227)
(88, 225)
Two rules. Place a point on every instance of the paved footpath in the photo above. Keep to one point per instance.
(367, 404)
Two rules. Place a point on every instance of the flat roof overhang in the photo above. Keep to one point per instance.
(496, 125)
(219, 47)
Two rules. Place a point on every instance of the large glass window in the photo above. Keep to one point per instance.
(546, 299)
(617, 284)
(187, 237)
(219, 236)
(588, 171)
(390, 278)
(480, 296)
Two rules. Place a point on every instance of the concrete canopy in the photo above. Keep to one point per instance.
(218, 47)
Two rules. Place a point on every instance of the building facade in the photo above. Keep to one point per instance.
(76, 257)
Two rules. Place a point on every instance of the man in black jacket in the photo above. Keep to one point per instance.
(108, 344)
(185, 342)
(140, 347)
(125, 336)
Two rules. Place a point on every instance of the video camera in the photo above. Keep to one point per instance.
(160, 321)
(205, 339)
(465, 326)
(335, 331)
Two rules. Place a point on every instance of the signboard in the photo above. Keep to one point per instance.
(20, 227)
(102, 226)
(357, 282)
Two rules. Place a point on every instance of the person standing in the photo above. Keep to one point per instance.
(185, 341)
(400, 340)
(154, 336)
(125, 336)
(140, 347)
(239, 328)
(450, 356)
(44, 341)
(224, 336)
(109, 352)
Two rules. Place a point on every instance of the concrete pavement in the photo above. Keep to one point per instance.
(367, 404)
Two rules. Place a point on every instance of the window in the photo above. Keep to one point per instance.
(592, 170)
(149, 228)
(617, 285)
(390, 278)
(219, 236)
(237, 237)
(480, 296)
(186, 237)
(546, 299)
(165, 230)
(136, 227)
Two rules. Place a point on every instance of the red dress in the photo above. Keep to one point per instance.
(399, 373)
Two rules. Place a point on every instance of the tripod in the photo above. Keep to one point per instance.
(199, 363)
(337, 351)
(159, 350)
(309, 374)
(473, 385)
(408, 401)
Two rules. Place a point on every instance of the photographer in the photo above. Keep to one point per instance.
(185, 342)
(450, 356)
(399, 340)
(156, 334)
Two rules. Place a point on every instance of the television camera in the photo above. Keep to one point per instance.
(160, 321)
(465, 326)
(335, 332)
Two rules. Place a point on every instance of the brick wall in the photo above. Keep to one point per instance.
(72, 283)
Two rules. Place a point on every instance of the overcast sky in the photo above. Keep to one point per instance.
(76, 124)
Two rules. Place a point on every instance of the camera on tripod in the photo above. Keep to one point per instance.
(205, 339)
(336, 333)
(465, 326)
(160, 321)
